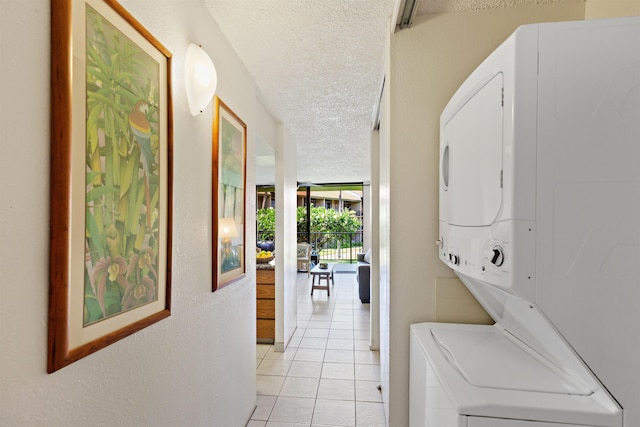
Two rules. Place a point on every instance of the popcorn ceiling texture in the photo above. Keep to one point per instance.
(319, 68)
(318, 65)
(444, 6)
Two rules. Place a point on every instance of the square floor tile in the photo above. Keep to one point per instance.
(294, 342)
(339, 371)
(256, 423)
(361, 345)
(324, 317)
(264, 405)
(316, 333)
(313, 343)
(370, 414)
(342, 325)
(343, 334)
(287, 354)
(342, 318)
(361, 334)
(278, 424)
(293, 410)
(305, 369)
(367, 391)
(262, 349)
(367, 357)
(346, 302)
(339, 356)
(336, 389)
(334, 412)
(361, 315)
(361, 325)
(323, 301)
(340, 344)
(310, 354)
(273, 367)
(319, 324)
(268, 385)
(367, 372)
(305, 309)
(300, 387)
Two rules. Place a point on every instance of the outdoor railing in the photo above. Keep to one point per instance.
(334, 247)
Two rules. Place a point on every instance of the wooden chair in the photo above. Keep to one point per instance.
(304, 257)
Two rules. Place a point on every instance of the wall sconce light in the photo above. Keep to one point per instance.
(201, 78)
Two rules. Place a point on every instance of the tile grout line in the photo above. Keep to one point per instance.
(326, 311)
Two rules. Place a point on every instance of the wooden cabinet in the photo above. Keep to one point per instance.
(266, 305)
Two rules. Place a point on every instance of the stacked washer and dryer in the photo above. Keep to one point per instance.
(540, 219)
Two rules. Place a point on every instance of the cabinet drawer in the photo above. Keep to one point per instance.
(266, 277)
(265, 291)
(266, 328)
(265, 309)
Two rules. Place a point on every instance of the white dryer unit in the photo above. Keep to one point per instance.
(540, 218)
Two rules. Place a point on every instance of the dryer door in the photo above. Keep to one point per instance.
(471, 159)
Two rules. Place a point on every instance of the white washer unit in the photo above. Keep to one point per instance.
(540, 218)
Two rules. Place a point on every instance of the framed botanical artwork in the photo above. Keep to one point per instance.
(111, 179)
(228, 199)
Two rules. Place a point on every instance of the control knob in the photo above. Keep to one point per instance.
(497, 256)
(454, 259)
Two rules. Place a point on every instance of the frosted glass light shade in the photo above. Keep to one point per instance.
(201, 78)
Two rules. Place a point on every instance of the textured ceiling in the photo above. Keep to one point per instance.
(318, 65)
(445, 6)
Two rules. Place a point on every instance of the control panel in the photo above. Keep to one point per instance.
(480, 252)
(487, 253)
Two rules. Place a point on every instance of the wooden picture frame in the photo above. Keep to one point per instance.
(111, 179)
(229, 195)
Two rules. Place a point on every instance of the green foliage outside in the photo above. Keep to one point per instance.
(266, 220)
(122, 173)
(324, 222)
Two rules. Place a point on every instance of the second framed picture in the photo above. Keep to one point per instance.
(228, 198)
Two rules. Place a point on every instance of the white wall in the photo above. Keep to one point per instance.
(380, 268)
(366, 212)
(286, 238)
(196, 367)
(427, 64)
(372, 240)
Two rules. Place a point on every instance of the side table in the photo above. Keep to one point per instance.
(325, 274)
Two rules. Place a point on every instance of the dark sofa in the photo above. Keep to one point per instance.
(363, 276)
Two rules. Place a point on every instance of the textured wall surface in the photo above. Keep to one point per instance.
(195, 368)
(611, 8)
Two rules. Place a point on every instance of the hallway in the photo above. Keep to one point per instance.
(327, 376)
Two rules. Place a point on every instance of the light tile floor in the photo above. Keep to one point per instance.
(327, 376)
